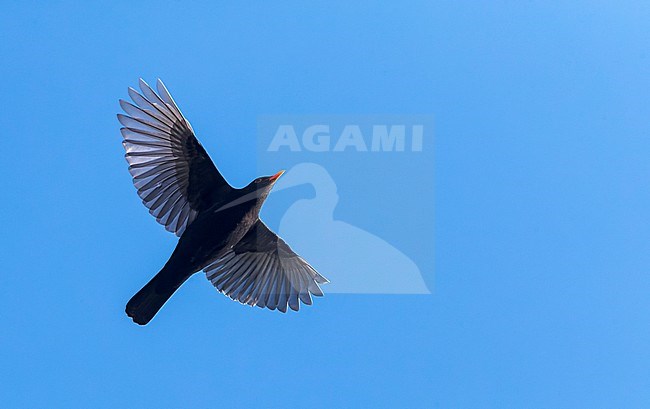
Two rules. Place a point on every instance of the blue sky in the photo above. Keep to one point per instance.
(540, 290)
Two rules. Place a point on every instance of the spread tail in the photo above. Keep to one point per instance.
(146, 303)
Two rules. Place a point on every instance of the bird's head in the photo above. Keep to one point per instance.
(265, 182)
(256, 191)
(263, 185)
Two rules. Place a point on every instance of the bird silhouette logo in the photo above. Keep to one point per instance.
(356, 260)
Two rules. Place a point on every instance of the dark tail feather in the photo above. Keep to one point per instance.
(146, 303)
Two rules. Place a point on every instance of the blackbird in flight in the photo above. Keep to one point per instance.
(218, 225)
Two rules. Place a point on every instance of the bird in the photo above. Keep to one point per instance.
(218, 225)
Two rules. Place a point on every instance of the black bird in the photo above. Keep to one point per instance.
(218, 225)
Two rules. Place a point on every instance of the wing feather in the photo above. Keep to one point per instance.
(262, 270)
(173, 174)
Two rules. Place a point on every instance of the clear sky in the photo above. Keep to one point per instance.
(541, 289)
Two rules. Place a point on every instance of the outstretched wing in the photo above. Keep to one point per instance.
(174, 175)
(262, 270)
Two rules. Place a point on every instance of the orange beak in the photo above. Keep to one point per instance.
(276, 176)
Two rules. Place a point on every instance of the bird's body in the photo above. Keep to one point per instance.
(213, 231)
(219, 226)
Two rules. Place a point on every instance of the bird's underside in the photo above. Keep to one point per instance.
(218, 225)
